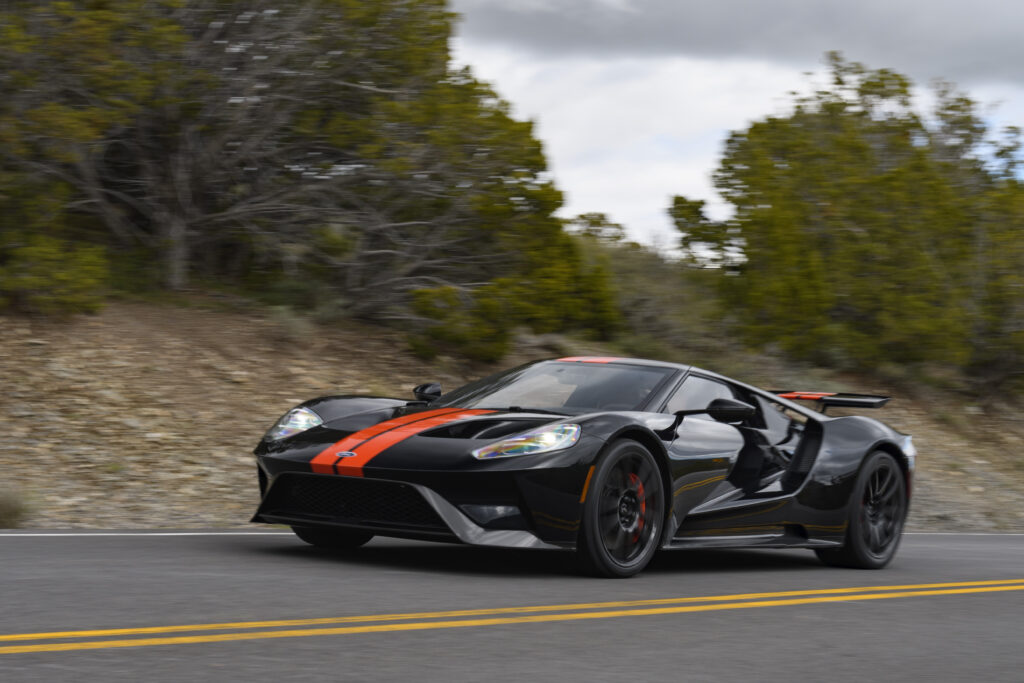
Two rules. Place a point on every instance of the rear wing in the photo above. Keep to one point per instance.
(826, 400)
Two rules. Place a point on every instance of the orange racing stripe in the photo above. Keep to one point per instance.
(586, 484)
(806, 395)
(323, 463)
(353, 466)
(368, 442)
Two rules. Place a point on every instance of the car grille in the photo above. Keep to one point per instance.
(350, 500)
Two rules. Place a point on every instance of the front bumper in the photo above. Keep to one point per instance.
(528, 502)
(385, 507)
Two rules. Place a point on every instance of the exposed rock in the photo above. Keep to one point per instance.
(146, 416)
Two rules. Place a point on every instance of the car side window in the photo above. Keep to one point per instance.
(697, 392)
(776, 420)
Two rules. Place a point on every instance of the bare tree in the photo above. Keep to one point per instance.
(326, 134)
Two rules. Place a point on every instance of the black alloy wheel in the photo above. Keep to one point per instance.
(877, 513)
(623, 512)
(332, 539)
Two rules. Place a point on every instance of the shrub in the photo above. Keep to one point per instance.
(13, 509)
(471, 325)
(47, 275)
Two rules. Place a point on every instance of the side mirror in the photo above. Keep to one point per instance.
(720, 410)
(427, 392)
(730, 410)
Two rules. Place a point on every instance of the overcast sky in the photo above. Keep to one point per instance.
(634, 98)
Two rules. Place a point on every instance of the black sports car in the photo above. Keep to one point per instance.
(611, 457)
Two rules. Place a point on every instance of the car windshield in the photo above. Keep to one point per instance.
(564, 387)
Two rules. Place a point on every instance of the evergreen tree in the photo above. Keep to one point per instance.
(863, 233)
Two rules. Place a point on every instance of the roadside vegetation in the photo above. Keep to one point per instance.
(325, 159)
(322, 155)
(145, 414)
(13, 509)
(323, 171)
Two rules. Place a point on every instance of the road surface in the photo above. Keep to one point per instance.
(255, 606)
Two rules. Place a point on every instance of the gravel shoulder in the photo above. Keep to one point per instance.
(146, 416)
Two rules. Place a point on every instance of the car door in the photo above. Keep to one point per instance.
(703, 452)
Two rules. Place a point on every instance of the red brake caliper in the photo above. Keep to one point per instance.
(642, 500)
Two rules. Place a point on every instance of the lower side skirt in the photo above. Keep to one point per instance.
(790, 538)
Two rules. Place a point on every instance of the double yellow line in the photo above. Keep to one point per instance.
(99, 639)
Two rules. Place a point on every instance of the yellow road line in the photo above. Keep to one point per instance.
(740, 601)
(533, 619)
(486, 611)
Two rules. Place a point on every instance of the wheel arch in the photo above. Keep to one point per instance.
(652, 443)
(898, 455)
(853, 553)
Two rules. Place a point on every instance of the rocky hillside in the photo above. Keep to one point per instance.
(145, 416)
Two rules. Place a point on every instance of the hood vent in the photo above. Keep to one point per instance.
(485, 429)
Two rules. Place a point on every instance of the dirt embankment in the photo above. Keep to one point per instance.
(145, 416)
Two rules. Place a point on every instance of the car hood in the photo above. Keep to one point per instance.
(386, 437)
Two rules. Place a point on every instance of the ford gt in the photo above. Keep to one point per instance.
(612, 458)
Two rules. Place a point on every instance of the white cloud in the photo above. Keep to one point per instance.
(971, 42)
(635, 98)
(623, 135)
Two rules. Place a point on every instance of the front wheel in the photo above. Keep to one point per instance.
(332, 539)
(877, 513)
(623, 513)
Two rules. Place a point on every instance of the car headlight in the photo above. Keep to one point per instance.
(543, 440)
(293, 422)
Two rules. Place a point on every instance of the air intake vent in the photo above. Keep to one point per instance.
(350, 500)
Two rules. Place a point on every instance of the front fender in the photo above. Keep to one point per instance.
(331, 408)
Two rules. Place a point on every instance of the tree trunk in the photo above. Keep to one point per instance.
(175, 253)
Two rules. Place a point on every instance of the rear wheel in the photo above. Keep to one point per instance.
(877, 513)
(623, 513)
(332, 539)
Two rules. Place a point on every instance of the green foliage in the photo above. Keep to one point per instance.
(560, 291)
(13, 509)
(665, 309)
(42, 271)
(324, 156)
(473, 326)
(42, 274)
(596, 226)
(862, 234)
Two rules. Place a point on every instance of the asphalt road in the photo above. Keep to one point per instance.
(692, 616)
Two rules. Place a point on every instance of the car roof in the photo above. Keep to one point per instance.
(616, 360)
(687, 369)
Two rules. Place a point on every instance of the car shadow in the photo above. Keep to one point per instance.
(733, 560)
(435, 557)
(477, 561)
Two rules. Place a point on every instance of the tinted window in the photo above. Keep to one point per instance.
(775, 420)
(566, 387)
(697, 393)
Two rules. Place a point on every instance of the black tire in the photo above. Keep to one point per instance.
(623, 513)
(878, 509)
(332, 539)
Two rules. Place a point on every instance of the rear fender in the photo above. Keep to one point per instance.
(846, 441)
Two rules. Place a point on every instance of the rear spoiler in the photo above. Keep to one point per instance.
(827, 399)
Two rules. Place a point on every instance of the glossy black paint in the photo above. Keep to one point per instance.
(716, 495)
